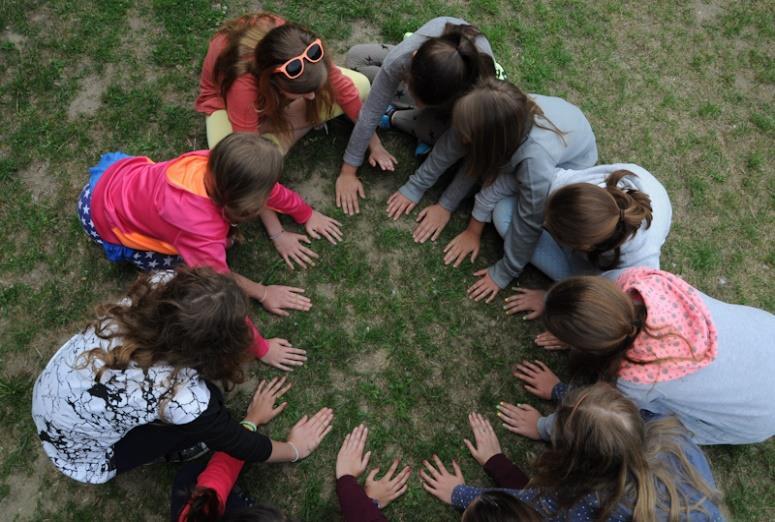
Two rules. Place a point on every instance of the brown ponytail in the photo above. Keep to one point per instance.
(203, 506)
(597, 220)
(493, 120)
(446, 67)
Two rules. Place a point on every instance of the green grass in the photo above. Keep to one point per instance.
(686, 90)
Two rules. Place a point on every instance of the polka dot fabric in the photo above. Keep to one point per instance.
(679, 337)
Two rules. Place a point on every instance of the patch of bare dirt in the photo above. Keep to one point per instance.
(89, 98)
(706, 11)
(373, 362)
(39, 181)
(315, 188)
(327, 290)
(18, 40)
(361, 31)
(25, 490)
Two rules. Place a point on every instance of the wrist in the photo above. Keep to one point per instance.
(348, 170)
(276, 235)
(296, 455)
(249, 424)
(264, 291)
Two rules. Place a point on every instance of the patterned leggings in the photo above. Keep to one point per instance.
(141, 259)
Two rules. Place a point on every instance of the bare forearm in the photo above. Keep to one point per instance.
(271, 222)
(255, 290)
(282, 452)
(475, 226)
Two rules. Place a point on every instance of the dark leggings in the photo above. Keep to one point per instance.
(427, 124)
(146, 443)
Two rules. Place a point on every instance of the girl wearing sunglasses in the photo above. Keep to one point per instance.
(263, 74)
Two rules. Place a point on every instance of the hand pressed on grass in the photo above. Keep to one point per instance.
(538, 379)
(307, 434)
(321, 225)
(548, 341)
(348, 189)
(277, 298)
(282, 355)
(438, 481)
(485, 288)
(465, 243)
(390, 486)
(487, 444)
(399, 205)
(380, 157)
(350, 460)
(431, 221)
(289, 246)
(261, 409)
(526, 300)
(521, 419)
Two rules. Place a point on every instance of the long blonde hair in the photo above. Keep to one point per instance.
(601, 446)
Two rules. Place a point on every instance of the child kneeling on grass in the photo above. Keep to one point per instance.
(668, 347)
(607, 461)
(208, 492)
(156, 215)
(138, 384)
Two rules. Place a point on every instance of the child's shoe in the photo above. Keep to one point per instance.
(384, 121)
(422, 149)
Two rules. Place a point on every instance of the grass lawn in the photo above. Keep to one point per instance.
(683, 88)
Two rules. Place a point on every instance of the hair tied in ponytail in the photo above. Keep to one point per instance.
(621, 214)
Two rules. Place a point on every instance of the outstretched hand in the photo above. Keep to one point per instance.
(521, 419)
(289, 246)
(277, 298)
(321, 225)
(438, 481)
(399, 205)
(537, 378)
(548, 341)
(430, 222)
(390, 486)
(348, 189)
(526, 300)
(262, 409)
(283, 356)
(351, 460)
(307, 434)
(485, 288)
(487, 444)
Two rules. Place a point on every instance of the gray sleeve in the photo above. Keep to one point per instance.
(546, 426)
(505, 186)
(534, 179)
(382, 92)
(446, 152)
(457, 191)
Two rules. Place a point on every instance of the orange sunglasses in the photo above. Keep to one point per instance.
(294, 67)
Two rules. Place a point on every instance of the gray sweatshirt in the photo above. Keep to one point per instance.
(531, 169)
(394, 70)
(730, 400)
(644, 248)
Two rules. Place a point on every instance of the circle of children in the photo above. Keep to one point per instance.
(659, 367)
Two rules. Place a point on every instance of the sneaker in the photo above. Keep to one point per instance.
(384, 121)
(186, 455)
(422, 149)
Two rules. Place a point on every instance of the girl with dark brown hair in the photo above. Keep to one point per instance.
(607, 461)
(422, 76)
(265, 74)
(513, 143)
(667, 346)
(140, 382)
(186, 210)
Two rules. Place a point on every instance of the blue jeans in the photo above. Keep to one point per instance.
(556, 261)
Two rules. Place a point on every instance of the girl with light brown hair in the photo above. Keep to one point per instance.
(512, 144)
(667, 346)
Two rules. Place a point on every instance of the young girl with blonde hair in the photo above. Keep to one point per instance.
(607, 461)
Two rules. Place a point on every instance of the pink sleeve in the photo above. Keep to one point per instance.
(286, 201)
(209, 99)
(241, 104)
(220, 474)
(345, 92)
(199, 251)
(260, 346)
